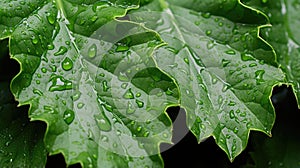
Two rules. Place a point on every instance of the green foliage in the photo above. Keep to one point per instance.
(101, 75)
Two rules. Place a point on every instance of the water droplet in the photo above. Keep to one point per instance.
(67, 64)
(247, 57)
(146, 134)
(38, 92)
(197, 23)
(69, 116)
(230, 52)
(122, 48)
(130, 108)
(105, 87)
(80, 105)
(231, 114)
(210, 44)
(139, 129)
(38, 82)
(51, 18)
(186, 60)
(44, 70)
(124, 85)
(264, 1)
(102, 122)
(233, 148)
(206, 15)
(34, 40)
(259, 76)
(62, 50)
(92, 51)
(231, 103)
(236, 130)
(139, 103)
(59, 84)
(123, 77)
(208, 32)
(252, 65)
(76, 96)
(225, 62)
(108, 107)
(128, 94)
(138, 94)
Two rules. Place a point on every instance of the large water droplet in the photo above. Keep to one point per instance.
(60, 84)
(128, 94)
(247, 57)
(92, 51)
(61, 51)
(102, 122)
(259, 76)
(69, 116)
(51, 18)
(67, 64)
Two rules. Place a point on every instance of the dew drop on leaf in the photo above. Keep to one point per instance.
(92, 51)
(225, 62)
(236, 130)
(247, 57)
(34, 40)
(105, 87)
(124, 85)
(231, 114)
(51, 18)
(100, 5)
(230, 52)
(38, 92)
(122, 48)
(69, 116)
(128, 94)
(259, 76)
(130, 108)
(139, 103)
(102, 122)
(231, 103)
(80, 105)
(208, 32)
(62, 50)
(60, 84)
(206, 15)
(67, 64)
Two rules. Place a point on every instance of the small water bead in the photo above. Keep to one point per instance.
(92, 51)
(69, 116)
(44, 70)
(206, 15)
(130, 108)
(94, 18)
(100, 5)
(51, 18)
(225, 62)
(231, 114)
(67, 64)
(124, 85)
(38, 92)
(230, 52)
(34, 40)
(247, 57)
(139, 103)
(102, 122)
(236, 130)
(208, 32)
(108, 107)
(80, 105)
(61, 51)
(105, 86)
(231, 103)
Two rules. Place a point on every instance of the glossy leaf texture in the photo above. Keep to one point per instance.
(225, 72)
(91, 79)
(21, 141)
(284, 36)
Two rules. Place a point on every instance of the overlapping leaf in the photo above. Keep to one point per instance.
(225, 72)
(95, 86)
(284, 36)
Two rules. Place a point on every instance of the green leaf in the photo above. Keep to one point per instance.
(284, 36)
(225, 72)
(91, 79)
(21, 142)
